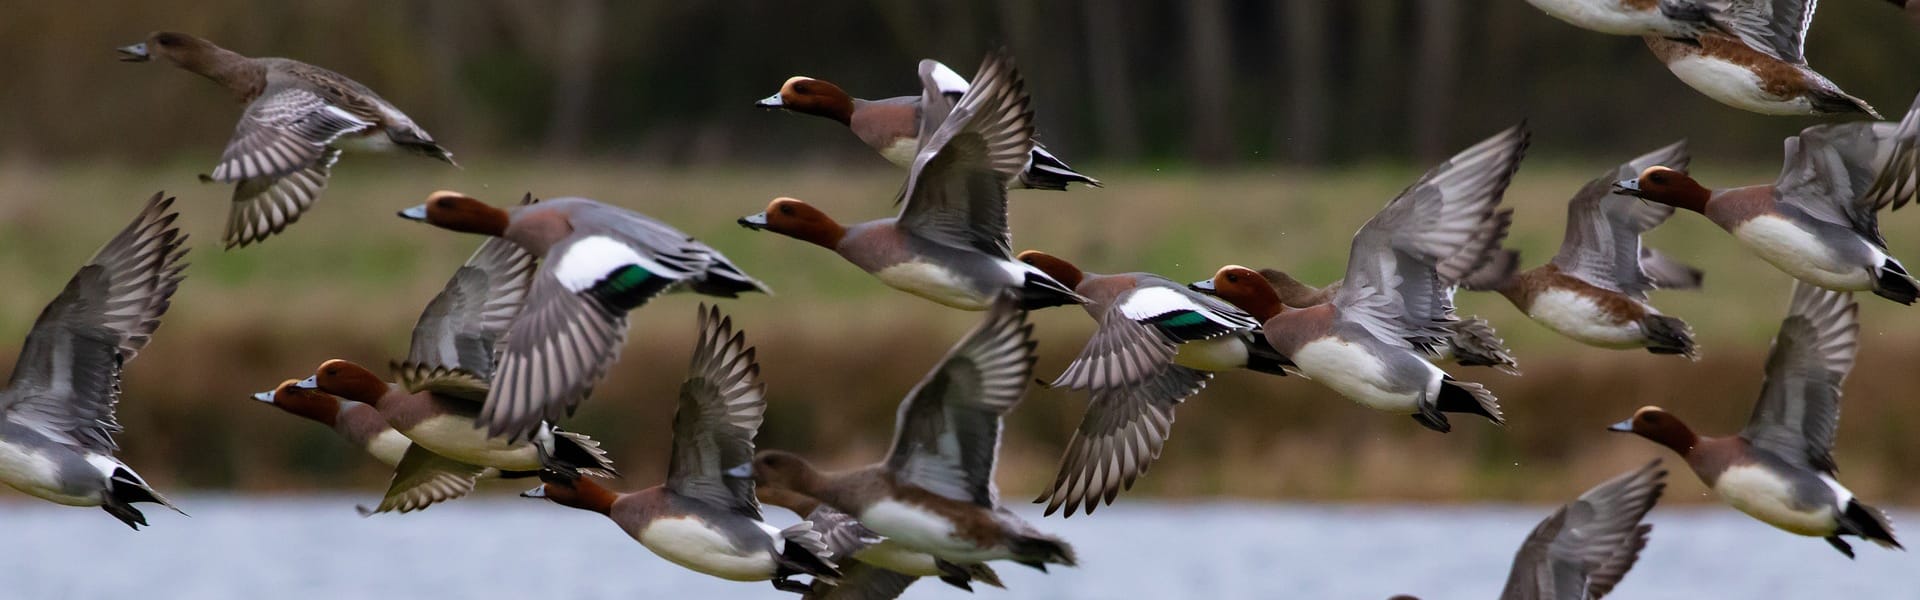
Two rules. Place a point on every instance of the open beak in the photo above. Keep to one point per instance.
(756, 222)
(1622, 427)
(134, 53)
(1203, 286)
(415, 213)
(770, 102)
(310, 383)
(266, 396)
(539, 492)
(1630, 187)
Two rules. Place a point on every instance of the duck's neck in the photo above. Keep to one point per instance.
(800, 504)
(244, 77)
(1678, 438)
(591, 496)
(825, 235)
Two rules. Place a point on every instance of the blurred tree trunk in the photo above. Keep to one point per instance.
(575, 59)
(1208, 70)
(1303, 49)
(1436, 67)
(443, 24)
(1376, 76)
(1112, 92)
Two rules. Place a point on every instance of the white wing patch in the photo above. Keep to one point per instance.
(1155, 301)
(588, 261)
(949, 81)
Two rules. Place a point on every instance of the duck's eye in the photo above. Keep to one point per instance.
(1233, 279)
(1657, 178)
(786, 209)
(168, 40)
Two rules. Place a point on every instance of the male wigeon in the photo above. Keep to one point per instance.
(950, 243)
(891, 126)
(1780, 468)
(1158, 343)
(1747, 54)
(872, 566)
(706, 517)
(1368, 342)
(1820, 221)
(597, 263)
(1585, 548)
(56, 414)
(297, 119)
(436, 399)
(934, 492)
(1470, 342)
(1595, 290)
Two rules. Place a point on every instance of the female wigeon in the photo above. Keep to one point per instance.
(445, 377)
(597, 263)
(1158, 344)
(1595, 290)
(1780, 468)
(298, 116)
(891, 126)
(871, 565)
(1469, 343)
(56, 414)
(706, 517)
(1585, 548)
(1368, 342)
(950, 243)
(1819, 222)
(934, 493)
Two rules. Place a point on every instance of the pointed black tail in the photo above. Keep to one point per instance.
(1868, 523)
(1893, 283)
(1669, 335)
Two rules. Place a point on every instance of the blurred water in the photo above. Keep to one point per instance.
(498, 547)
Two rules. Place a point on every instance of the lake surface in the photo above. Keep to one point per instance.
(503, 547)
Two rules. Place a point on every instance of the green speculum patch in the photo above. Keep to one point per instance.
(627, 287)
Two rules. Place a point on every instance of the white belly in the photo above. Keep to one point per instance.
(935, 283)
(389, 446)
(35, 474)
(1223, 353)
(1735, 86)
(456, 438)
(1579, 317)
(919, 529)
(1355, 373)
(892, 556)
(1604, 16)
(693, 545)
(901, 152)
(1800, 254)
(1764, 496)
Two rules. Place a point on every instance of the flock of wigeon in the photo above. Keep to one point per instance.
(524, 330)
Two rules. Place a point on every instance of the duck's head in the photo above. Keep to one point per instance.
(811, 96)
(1666, 186)
(799, 220)
(800, 504)
(578, 492)
(459, 212)
(178, 48)
(1057, 268)
(311, 403)
(347, 380)
(782, 470)
(1655, 423)
(1244, 288)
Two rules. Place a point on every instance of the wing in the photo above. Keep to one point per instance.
(843, 534)
(1667, 273)
(423, 479)
(1141, 330)
(67, 379)
(286, 129)
(1898, 181)
(936, 101)
(721, 404)
(1583, 549)
(263, 206)
(555, 352)
(1602, 245)
(462, 327)
(1119, 438)
(947, 434)
(1835, 173)
(669, 257)
(1777, 28)
(956, 193)
(1393, 287)
(1799, 405)
(861, 581)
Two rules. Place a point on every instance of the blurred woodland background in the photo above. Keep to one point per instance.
(1260, 133)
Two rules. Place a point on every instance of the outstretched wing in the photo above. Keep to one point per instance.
(1583, 549)
(947, 435)
(1777, 28)
(462, 327)
(1799, 406)
(956, 192)
(1602, 244)
(67, 379)
(721, 404)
